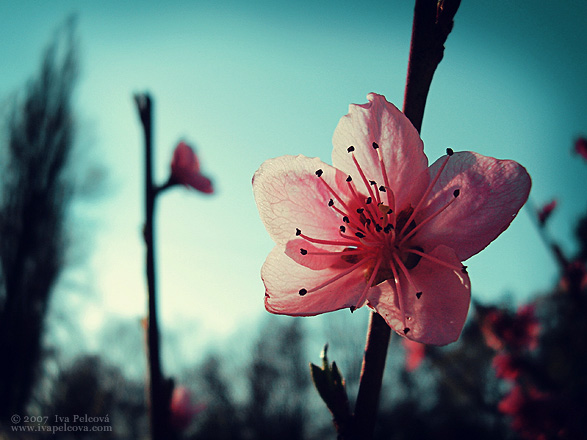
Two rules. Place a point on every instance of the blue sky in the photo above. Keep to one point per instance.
(246, 81)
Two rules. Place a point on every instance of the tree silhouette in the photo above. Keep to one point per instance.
(36, 189)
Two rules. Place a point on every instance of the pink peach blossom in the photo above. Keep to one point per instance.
(381, 227)
(185, 169)
(182, 410)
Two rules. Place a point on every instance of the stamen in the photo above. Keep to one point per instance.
(434, 259)
(302, 292)
(363, 296)
(360, 170)
(320, 241)
(427, 219)
(319, 173)
(303, 251)
(337, 277)
(428, 190)
(418, 295)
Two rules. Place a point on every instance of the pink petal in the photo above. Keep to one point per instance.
(283, 278)
(290, 196)
(399, 144)
(438, 315)
(491, 192)
(200, 182)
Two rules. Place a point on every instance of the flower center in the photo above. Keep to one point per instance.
(374, 238)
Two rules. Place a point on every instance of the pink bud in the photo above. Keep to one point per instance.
(545, 212)
(185, 169)
(581, 147)
(182, 411)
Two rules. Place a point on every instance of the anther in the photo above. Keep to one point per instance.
(464, 269)
(302, 292)
(368, 200)
(418, 295)
(360, 234)
(388, 228)
(345, 219)
(342, 229)
(352, 308)
(372, 182)
(378, 227)
(319, 172)
(350, 149)
(456, 192)
(382, 189)
(298, 232)
(330, 202)
(360, 210)
(449, 151)
(375, 146)
(303, 251)
(349, 178)
(406, 331)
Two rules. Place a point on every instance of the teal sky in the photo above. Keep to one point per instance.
(246, 81)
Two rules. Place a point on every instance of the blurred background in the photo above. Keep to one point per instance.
(244, 82)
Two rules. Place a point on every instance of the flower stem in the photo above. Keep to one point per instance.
(371, 377)
(158, 399)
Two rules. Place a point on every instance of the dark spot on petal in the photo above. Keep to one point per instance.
(412, 260)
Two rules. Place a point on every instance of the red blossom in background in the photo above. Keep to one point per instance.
(185, 169)
(505, 330)
(581, 147)
(382, 228)
(182, 410)
(415, 354)
(535, 415)
(545, 211)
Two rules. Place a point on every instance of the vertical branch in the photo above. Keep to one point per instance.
(433, 21)
(157, 395)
